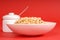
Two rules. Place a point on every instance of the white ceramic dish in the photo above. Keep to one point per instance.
(32, 29)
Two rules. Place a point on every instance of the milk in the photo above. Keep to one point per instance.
(9, 19)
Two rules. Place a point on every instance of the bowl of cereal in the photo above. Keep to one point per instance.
(31, 26)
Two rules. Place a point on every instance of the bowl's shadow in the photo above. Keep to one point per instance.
(22, 35)
(14, 35)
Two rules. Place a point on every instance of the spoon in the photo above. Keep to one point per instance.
(24, 10)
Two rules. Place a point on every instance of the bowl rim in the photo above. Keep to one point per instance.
(45, 23)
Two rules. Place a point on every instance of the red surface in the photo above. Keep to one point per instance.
(48, 10)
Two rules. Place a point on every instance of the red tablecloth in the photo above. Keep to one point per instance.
(48, 10)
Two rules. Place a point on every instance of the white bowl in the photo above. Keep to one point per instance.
(32, 29)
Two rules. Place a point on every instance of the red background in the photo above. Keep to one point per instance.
(48, 10)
